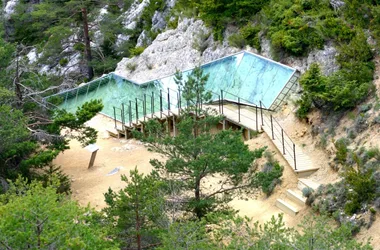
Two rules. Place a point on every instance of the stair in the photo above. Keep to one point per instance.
(292, 202)
(296, 197)
(288, 207)
(302, 183)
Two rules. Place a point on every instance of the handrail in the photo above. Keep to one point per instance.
(172, 100)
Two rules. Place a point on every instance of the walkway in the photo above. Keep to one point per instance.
(257, 119)
(247, 116)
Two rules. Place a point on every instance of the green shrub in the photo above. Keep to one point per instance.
(363, 187)
(63, 62)
(365, 107)
(251, 35)
(341, 150)
(307, 191)
(352, 206)
(131, 66)
(237, 40)
(304, 108)
(137, 51)
(335, 28)
(269, 177)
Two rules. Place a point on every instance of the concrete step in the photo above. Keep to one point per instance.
(296, 197)
(302, 183)
(302, 173)
(287, 207)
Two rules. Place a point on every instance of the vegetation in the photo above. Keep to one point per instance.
(33, 216)
(171, 208)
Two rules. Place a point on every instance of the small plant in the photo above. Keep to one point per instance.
(131, 66)
(307, 191)
(361, 123)
(201, 40)
(323, 141)
(372, 210)
(136, 51)
(269, 177)
(365, 107)
(341, 150)
(377, 119)
(376, 203)
(237, 40)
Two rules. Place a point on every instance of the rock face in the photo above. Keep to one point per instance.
(190, 45)
(325, 58)
(171, 50)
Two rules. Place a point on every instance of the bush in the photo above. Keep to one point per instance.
(305, 104)
(131, 66)
(363, 188)
(361, 123)
(251, 35)
(307, 191)
(136, 51)
(377, 203)
(270, 178)
(201, 41)
(365, 107)
(341, 150)
(237, 40)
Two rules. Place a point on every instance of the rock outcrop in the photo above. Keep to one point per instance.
(171, 50)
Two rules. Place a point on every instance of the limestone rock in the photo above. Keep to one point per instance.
(172, 50)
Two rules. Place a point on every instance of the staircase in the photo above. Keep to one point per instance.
(292, 201)
(257, 119)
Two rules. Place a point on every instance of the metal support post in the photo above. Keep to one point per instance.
(114, 115)
(261, 111)
(239, 107)
(271, 125)
(76, 98)
(122, 114)
(144, 107)
(168, 101)
(283, 142)
(219, 102)
(160, 103)
(294, 153)
(152, 104)
(257, 120)
(221, 94)
(88, 86)
(130, 113)
(137, 112)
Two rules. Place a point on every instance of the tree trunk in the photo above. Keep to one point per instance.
(197, 209)
(17, 84)
(90, 70)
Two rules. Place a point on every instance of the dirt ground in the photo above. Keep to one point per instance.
(89, 185)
